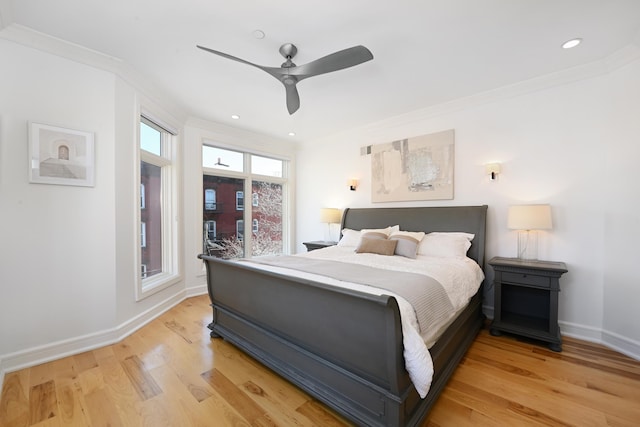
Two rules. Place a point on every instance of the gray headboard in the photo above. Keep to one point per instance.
(470, 219)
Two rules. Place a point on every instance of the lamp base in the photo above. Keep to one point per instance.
(528, 245)
(327, 233)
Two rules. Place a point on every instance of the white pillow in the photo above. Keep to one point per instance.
(349, 237)
(352, 237)
(445, 245)
(418, 235)
(386, 231)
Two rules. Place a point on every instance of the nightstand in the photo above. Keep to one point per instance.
(526, 299)
(318, 244)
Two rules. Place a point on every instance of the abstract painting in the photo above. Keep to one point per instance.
(418, 168)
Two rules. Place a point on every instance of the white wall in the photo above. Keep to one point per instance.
(67, 264)
(570, 145)
(622, 217)
(57, 256)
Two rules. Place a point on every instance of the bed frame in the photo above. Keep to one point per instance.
(342, 346)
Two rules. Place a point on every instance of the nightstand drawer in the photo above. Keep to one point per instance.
(526, 279)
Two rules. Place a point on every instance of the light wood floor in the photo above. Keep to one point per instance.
(170, 373)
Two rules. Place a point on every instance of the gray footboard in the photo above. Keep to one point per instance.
(343, 347)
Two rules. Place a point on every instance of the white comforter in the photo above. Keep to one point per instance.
(460, 277)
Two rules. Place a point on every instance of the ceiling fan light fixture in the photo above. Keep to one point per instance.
(571, 43)
(289, 74)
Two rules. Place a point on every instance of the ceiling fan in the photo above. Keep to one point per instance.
(289, 74)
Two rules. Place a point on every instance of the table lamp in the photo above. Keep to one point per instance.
(527, 219)
(330, 216)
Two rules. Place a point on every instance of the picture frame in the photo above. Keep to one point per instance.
(61, 156)
(414, 169)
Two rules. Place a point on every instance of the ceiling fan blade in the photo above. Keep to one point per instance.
(293, 99)
(274, 71)
(336, 61)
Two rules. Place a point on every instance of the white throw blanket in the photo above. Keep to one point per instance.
(460, 277)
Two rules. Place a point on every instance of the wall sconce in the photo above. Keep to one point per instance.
(493, 170)
(527, 219)
(353, 184)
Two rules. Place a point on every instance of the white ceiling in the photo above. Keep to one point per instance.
(426, 52)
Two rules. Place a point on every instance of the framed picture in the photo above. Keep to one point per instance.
(418, 168)
(61, 156)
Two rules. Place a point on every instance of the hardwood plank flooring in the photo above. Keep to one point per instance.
(170, 373)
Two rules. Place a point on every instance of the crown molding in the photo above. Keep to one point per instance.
(241, 137)
(43, 42)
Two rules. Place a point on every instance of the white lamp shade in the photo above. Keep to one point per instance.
(330, 215)
(529, 217)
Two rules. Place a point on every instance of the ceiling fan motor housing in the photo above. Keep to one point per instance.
(288, 50)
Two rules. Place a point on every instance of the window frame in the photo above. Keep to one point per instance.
(249, 178)
(168, 163)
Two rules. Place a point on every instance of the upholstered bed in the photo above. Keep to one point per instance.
(341, 345)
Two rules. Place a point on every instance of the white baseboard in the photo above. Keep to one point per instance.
(622, 344)
(612, 340)
(46, 353)
(195, 291)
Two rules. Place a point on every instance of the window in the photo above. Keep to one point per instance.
(269, 238)
(143, 235)
(228, 243)
(142, 197)
(157, 213)
(240, 200)
(266, 166)
(210, 230)
(234, 174)
(240, 229)
(210, 199)
(221, 159)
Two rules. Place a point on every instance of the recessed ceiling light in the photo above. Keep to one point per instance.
(235, 116)
(258, 34)
(571, 43)
(292, 134)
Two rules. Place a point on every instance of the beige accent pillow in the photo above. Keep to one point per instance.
(373, 235)
(376, 246)
(407, 245)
